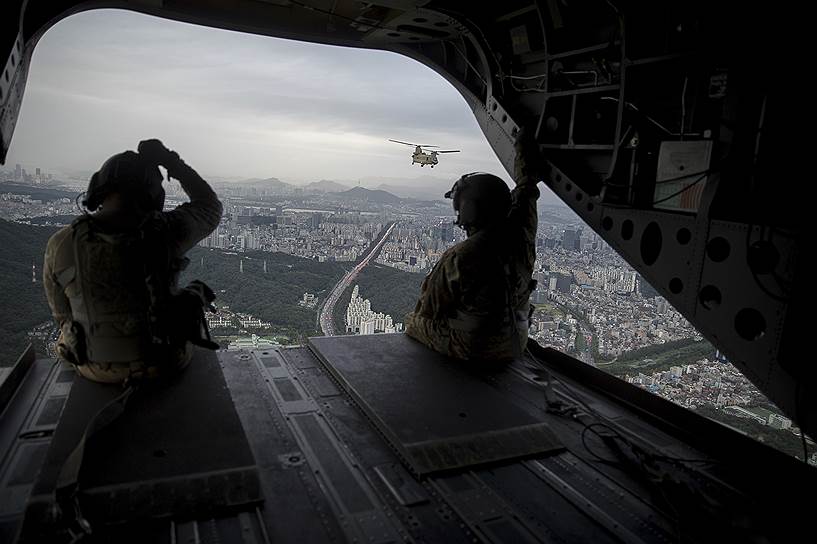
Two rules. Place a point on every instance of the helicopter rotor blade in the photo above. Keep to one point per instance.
(404, 143)
(429, 146)
(449, 151)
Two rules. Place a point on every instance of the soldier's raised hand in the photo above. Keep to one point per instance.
(527, 166)
(155, 152)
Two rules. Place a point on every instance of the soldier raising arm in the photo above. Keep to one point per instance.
(192, 221)
(474, 304)
(104, 274)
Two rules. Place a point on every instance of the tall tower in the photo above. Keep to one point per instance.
(33, 273)
(241, 265)
(265, 266)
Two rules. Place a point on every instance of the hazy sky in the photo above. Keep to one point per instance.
(236, 105)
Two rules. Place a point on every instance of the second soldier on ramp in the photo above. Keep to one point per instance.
(474, 304)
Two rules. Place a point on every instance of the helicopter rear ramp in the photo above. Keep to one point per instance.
(333, 429)
(414, 408)
(177, 450)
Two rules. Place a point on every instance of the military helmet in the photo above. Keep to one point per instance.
(480, 199)
(130, 174)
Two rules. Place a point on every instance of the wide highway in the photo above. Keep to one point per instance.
(325, 316)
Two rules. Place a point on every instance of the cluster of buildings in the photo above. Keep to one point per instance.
(609, 308)
(361, 319)
(22, 208)
(415, 245)
(705, 383)
(309, 300)
(717, 384)
(225, 319)
(322, 235)
(562, 331)
(761, 415)
(20, 175)
(251, 342)
(417, 242)
(44, 338)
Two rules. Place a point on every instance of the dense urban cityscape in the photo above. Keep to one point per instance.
(588, 301)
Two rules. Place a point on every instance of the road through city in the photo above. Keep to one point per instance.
(325, 316)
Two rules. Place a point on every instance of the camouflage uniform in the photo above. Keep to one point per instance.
(116, 325)
(475, 302)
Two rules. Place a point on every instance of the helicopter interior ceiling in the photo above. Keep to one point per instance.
(661, 124)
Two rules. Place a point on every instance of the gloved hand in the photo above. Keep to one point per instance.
(527, 166)
(154, 151)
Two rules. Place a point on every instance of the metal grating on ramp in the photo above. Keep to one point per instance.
(440, 414)
(468, 450)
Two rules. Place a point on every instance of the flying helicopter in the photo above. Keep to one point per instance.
(423, 157)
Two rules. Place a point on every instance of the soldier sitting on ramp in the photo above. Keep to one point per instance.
(474, 304)
(110, 277)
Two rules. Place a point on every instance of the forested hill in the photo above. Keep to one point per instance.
(22, 302)
(272, 296)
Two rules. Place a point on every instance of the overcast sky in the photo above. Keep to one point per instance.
(236, 105)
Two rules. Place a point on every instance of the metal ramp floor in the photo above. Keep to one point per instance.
(333, 428)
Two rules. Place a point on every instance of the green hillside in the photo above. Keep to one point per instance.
(658, 357)
(22, 302)
(272, 296)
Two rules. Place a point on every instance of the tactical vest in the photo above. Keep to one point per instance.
(109, 295)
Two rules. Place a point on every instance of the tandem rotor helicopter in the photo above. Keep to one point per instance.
(423, 157)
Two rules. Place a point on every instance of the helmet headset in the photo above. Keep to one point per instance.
(131, 175)
(479, 200)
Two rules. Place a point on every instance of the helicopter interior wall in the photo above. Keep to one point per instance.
(725, 294)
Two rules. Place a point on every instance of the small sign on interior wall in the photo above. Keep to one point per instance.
(683, 169)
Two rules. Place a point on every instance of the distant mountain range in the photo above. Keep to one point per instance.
(420, 188)
(268, 184)
(433, 188)
(325, 186)
(369, 195)
(276, 186)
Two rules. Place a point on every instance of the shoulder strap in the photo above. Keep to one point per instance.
(80, 227)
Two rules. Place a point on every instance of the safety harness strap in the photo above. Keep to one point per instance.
(80, 228)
